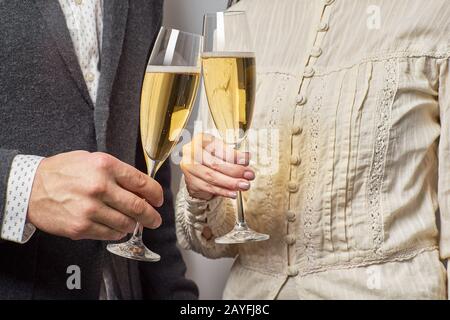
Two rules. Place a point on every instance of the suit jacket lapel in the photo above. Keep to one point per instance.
(57, 27)
(114, 27)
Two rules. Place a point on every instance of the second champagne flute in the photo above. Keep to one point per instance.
(229, 74)
(168, 94)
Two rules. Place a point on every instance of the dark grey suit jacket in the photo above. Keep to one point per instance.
(45, 109)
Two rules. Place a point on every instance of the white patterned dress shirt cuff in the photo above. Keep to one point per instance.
(14, 226)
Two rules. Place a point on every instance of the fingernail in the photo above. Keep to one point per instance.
(249, 175)
(244, 185)
(232, 194)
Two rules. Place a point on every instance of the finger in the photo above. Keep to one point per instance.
(133, 206)
(226, 152)
(98, 231)
(218, 179)
(197, 185)
(139, 183)
(215, 147)
(115, 220)
(229, 169)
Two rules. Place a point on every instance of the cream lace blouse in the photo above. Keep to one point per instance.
(357, 93)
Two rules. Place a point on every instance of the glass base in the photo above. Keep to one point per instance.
(242, 234)
(133, 249)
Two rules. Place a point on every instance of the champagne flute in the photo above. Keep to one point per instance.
(229, 74)
(168, 93)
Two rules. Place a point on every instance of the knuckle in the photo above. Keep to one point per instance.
(78, 230)
(90, 209)
(141, 181)
(197, 193)
(210, 177)
(138, 206)
(191, 189)
(216, 166)
(98, 186)
(101, 160)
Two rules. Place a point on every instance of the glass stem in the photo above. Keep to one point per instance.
(137, 234)
(240, 211)
(152, 167)
(240, 203)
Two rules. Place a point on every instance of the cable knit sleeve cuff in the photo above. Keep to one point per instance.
(202, 212)
(199, 222)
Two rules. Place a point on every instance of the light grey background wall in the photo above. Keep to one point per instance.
(210, 275)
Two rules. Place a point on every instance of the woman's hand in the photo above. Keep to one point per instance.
(212, 168)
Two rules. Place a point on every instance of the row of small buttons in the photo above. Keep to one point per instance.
(302, 100)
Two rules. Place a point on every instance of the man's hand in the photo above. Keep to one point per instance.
(212, 168)
(82, 195)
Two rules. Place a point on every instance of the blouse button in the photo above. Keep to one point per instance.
(316, 52)
(309, 72)
(292, 271)
(301, 100)
(290, 239)
(295, 160)
(292, 187)
(290, 216)
(296, 130)
(323, 27)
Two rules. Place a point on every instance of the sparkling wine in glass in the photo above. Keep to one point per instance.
(169, 90)
(229, 74)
